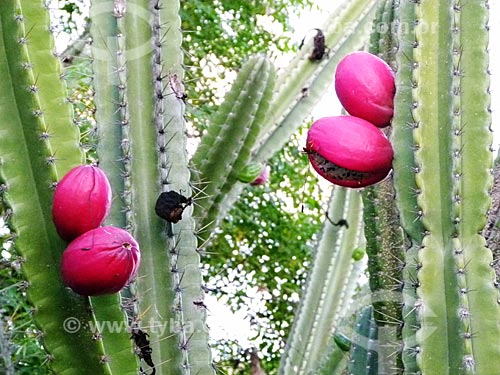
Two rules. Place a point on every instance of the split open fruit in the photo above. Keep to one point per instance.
(349, 151)
(100, 261)
(82, 200)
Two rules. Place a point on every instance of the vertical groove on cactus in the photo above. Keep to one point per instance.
(301, 85)
(452, 159)
(110, 101)
(189, 308)
(28, 171)
(316, 315)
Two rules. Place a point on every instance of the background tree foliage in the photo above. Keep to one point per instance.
(259, 256)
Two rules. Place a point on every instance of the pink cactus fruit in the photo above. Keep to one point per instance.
(82, 200)
(349, 151)
(365, 86)
(100, 261)
(263, 176)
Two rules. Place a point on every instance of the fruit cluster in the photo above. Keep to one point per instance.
(352, 151)
(98, 260)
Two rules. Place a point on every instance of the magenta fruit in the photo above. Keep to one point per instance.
(100, 261)
(82, 201)
(365, 86)
(263, 176)
(349, 151)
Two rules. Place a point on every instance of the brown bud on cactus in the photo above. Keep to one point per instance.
(365, 86)
(100, 261)
(349, 151)
(82, 201)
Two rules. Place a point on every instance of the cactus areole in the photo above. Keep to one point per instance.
(82, 201)
(365, 86)
(101, 261)
(349, 151)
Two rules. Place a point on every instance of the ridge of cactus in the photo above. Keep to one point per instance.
(153, 287)
(404, 177)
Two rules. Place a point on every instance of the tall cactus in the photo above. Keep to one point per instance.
(450, 109)
(447, 313)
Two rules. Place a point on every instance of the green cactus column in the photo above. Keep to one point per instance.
(457, 304)
(38, 144)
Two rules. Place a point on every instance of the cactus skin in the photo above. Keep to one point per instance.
(324, 294)
(29, 169)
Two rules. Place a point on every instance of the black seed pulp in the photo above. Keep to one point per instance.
(336, 172)
(170, 205)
